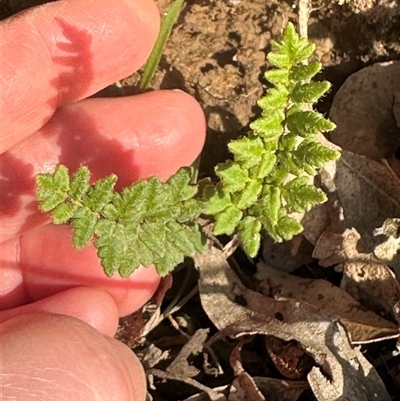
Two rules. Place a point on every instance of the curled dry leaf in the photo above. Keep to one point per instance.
(247, 388)
(180, 365)
(291, 360)
(351, 377)
(388, 250)
(244, 383)
(367, 192)
(367, 114)
(367, 279)
(181, 370)
(363, 326)
(281, 390)
(363, 110)
(368, 196)
(156, 317)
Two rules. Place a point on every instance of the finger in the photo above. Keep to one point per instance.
(65, 51)
(47, 264)
(95, 307)
(133, 137)
(55, 357)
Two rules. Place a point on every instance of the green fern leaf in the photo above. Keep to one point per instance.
(288, 227)
(277, 76)
(227, 221)
(308, 123)
(309, 92)
(154, 222)
(190, 210)
(106, 249)
(248, 151)
(135, 227)
(304, 72)
(156, 196)
(302, 196)
(172, 258)
(270, 203)
(276, 99)
(52, 189)
(249, 195)
(79, 183)
(217, 200)
(63, 212)
(269, 127)
(129, 205)
(295, 48)
(288, 163)
(153, 235)
(100, 194)
(249, 234)
(277, 177)
(233, 176)
(280, 60)
(288, 143)
(83, 223)
(265, 167)
(181, 184)
(312, 155)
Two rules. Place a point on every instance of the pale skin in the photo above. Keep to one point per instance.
(59, 312)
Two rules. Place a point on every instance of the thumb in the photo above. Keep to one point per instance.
(57, 358)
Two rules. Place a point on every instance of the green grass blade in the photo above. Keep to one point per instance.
(165, 32)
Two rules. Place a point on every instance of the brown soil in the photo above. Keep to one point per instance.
(218, 47)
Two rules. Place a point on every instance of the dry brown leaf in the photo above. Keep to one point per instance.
(156, 318)
(367, 193)
(205, 397)
(363, 325)
(368, 196)
(280, 390)
(363, 110)
(151, 356)
(328, 247)
(130, 328)
(389, 249)
(180, 365)
(272, 389)
(289, 255)
(244, 383)
(181, 370)
(317, 332)
(212, 394)
(291, 360)
(367, 279)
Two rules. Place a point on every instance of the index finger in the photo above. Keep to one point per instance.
(64, 51)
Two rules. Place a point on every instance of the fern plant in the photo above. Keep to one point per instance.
(149, 222)
(269, 178)
(266, 183)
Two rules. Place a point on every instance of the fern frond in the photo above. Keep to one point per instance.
(149, 222)
(269, 178)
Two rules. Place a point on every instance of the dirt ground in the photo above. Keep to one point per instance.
(217, 53)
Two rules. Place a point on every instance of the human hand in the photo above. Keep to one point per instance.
(54, 56)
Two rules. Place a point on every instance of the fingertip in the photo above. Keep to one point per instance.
(171, 136)
(134, 369)
(51, 264)
(56, 357)
(95, 307)
(65, 51)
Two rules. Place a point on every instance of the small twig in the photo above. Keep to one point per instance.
(385, 162)
(304, 13)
